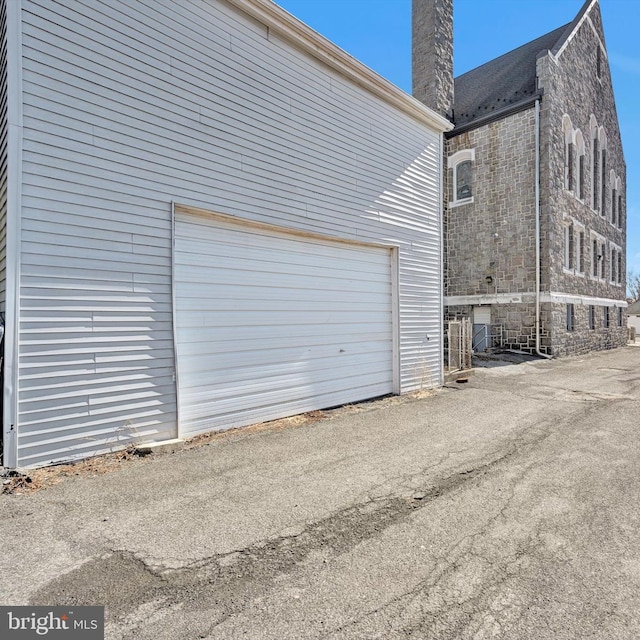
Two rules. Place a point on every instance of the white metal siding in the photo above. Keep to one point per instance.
(129, 105)
(272, 324)
(4, 134)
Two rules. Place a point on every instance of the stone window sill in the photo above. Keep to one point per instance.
(459, 203)
(573, 272)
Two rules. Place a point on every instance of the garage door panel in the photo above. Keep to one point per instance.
(284, 283)
(316, 333)
(269, 324)
(305, 299)
(238, 240)
(271, 405)
(250, 369)
(285, 290)
(249, 320)
(284, 261)
(277, 348)
(282, 386)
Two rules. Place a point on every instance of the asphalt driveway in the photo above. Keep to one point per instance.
(506, 507)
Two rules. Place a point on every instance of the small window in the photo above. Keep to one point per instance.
(580, 252)
(603, 187)
(605, 320)
(620, 316)
(567, 247)
(463, 180)
(595, 200)
(619, 267)
(570, 317)
(569, 152)
(619, 211)
(614, 265)
(594, 258)
(592, 317)
(580, 165)
(461, 164)
(571, 167)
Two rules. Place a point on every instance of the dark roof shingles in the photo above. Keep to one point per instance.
(501, 82)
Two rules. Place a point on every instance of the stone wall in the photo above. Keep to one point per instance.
(513, 324)
(495, 234)
(432, 54)
(571, 86)
(584, 339)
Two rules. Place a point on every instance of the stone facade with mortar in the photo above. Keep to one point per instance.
(494, 236)
(432, 54)
(490, 252)
(577, 86)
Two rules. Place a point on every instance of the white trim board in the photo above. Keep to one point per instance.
(13, 239)
(529, 298)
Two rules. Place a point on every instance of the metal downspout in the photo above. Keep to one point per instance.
(537, 196)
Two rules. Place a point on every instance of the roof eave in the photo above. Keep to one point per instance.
(509, 110)
(311, 42)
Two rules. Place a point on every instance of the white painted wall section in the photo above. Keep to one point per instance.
(130, 105)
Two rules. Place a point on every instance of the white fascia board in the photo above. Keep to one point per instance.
(298, 33)
(13, 232)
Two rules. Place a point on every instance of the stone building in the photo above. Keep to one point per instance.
(535, 211)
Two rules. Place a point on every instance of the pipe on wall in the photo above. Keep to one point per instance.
(537, 196)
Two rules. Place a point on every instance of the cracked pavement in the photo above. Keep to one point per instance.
(506, 507)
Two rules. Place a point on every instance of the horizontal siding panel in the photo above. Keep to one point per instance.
(130, 106)
(283, 407)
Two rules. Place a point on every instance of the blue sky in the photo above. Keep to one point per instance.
(378, 33)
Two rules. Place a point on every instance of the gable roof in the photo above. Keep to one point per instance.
(501, 82)
(572, 26)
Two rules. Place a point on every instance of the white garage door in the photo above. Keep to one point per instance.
(271, 324)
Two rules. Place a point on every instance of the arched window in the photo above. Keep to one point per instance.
(603, 173)
(580, 164)
(614, 197)
(619, 207)
(595, 165)
(568, 246)
(461, 165)
(569, 153)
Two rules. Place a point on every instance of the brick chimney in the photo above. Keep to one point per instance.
(432, 54)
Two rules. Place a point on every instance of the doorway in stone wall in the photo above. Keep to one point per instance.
(481, 328)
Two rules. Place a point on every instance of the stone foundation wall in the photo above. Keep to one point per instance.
(583, 339)
(513, 325)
